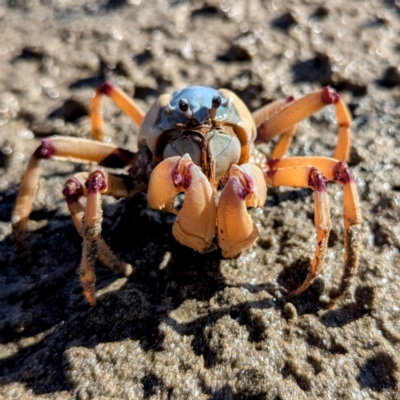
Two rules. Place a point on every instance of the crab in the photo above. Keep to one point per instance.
(202, 142)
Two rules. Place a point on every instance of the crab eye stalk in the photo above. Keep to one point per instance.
(183, 105)
(215, 104)
(185, 108)
(216, 101)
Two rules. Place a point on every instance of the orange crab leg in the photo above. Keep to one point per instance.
(60, 148)
(284, 143)
(91, 230)
(298, 172)
(269, 110)
(332, 169)
(73, 191)
(245, 187)
(305, 176)
(294, 111)
(195, 222)
(94, 246)
(23, 205)
(121, 99)
(263, 114)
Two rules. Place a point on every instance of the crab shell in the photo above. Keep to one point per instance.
(165, 115)
(196, 151)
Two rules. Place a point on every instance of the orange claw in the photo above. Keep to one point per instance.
(195, 224)
(245, 187)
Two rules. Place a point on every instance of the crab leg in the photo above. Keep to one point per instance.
(195, 222)
(94, 246)
(300, 172)
(263, 114)
(60, 148)
(121, 99)
(73, 191)
(91, 230)
(291, 113)
(245, 187)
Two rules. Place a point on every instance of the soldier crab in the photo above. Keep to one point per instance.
(200, 141)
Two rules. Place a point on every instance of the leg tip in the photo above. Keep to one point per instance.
(127, 270)
(90, 298)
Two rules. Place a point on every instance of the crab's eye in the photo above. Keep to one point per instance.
(183, 105)
(216, 101)
(185, 108)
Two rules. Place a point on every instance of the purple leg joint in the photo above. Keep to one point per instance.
(289, 99)
(73, 190)
(105, 88)
(316, 180)
(261, 133)
(97, 182)
(271, 166)
(45, 151)
(329, 96)
(341, 173)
